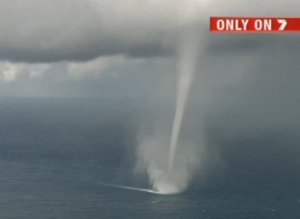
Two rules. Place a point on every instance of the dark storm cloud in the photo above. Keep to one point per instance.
(49, 31)
(56, 30)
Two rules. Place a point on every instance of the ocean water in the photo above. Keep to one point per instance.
(55, 153)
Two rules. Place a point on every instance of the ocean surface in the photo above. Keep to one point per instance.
(55, 153)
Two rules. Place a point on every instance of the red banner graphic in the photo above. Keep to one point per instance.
(254, 25)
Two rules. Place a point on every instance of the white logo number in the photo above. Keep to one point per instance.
(282, 23)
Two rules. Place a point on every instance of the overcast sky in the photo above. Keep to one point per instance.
(122, 48)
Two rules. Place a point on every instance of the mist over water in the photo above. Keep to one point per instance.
(152, 159)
